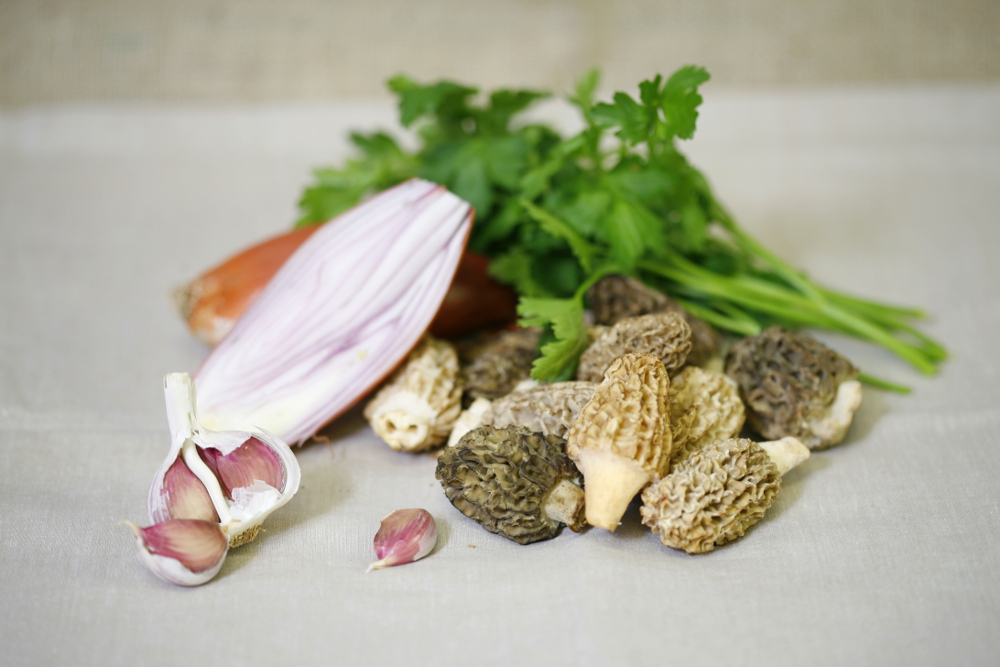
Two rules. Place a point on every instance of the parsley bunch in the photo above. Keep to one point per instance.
(556, 214)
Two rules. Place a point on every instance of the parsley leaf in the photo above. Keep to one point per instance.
(569, 337)
(680, 100)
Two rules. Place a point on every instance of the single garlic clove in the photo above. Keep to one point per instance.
(256, 477)
(251, 462)
(186, 552)
(183, 496)
(403, 537)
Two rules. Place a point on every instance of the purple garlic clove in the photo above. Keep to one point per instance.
(186, 552)
(251, 462)
(183, 496)
(403, 537)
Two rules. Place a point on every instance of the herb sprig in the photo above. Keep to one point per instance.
(557, 213)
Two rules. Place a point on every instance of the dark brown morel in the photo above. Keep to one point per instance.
(616, 297)
(513, 482)
(494, 367)
(793, 385)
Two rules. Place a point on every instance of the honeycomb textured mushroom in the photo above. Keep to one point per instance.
(513, 482)
(548, 408)
(793, 385)
(712, 497)
(616, 297)
(705, 407)
(468, 419)
(417, 407)
(494, 367)
(621, 440)
(665, 335)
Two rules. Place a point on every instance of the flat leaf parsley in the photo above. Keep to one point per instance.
(555, 213)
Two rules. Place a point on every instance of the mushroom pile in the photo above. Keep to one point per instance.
(657, 410)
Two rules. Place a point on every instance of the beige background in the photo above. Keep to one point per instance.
(316, 50)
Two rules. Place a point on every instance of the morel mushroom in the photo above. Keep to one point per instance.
(513, 482)
(493, 368)
(468, 419)
(665, 335)
(548, 408)
(794, 385)
(705, 407)
(621, 440)
(716, 494)
(616, 297)
(417, 407)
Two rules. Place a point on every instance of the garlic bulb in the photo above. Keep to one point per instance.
(240, 476)
(211, 484)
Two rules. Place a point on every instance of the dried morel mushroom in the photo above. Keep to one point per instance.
(712, 497)
(493, 368)
(513, 482)
(621, 439)
(417, 407)
(794, 385)
(664, 335)
(547, 408)
(617, 297)
(468, 419)
(705, 407)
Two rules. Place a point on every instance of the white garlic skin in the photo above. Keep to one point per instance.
(403, 537)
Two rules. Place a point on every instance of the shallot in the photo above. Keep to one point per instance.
(338, 316)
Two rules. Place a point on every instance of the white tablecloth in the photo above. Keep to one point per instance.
(882, 551)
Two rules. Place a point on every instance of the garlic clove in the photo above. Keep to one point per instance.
(183, 496)
(186, 552)
(255, 477)
(403, 537)
(251, 462)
